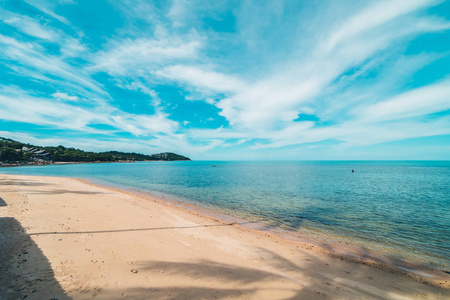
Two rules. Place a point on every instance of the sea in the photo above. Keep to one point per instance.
(398, 210)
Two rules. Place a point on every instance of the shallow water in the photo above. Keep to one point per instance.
(400, 209)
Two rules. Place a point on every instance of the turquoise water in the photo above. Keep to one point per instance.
(396, 208)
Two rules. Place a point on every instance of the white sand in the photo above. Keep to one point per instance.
(65, 239)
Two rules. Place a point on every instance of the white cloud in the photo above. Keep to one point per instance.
(200, 78)
(72, 47)
(64, 96)
(397, 118)
(417, 102)
(210, 101)
(47, 8)
(241, 141)
(139, 86)
(373, 16)
(270, 102)
(349, 71)
(20, 106)
(144, 125)
(275, 101)
(179, 12)
(31, 56)
(143, 55)
(29, 26)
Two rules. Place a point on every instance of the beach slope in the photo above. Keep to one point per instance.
(63, 238)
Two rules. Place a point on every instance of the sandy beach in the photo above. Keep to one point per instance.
(63, 238)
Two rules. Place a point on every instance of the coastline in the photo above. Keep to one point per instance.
(62, 163)
(53, 211)
(343, 251)
(75, 163)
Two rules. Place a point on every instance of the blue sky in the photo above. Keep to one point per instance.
(229, 79)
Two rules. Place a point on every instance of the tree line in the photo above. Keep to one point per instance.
(14, 151)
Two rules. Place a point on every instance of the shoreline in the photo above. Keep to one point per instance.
(348, 252)
(25, 164)
(83, 240)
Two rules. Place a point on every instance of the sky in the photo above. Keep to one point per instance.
(229, 80)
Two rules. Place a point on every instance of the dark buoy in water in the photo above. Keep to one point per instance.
(353, 171)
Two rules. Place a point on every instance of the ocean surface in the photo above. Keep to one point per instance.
(398, 209)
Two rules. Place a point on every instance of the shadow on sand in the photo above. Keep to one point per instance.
(205, 279)
(49, 191)
(134, 229)
(23, 182)
(24, 270)
(61, 191)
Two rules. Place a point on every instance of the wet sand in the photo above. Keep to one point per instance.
(63, 238)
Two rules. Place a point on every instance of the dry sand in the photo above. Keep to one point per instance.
(62, 238)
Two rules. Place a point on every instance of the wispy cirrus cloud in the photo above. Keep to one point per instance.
(143, 55)
(271, 76)
(422, 101)
(19, 106)
(279, 98)
(64, 96)
(201, 79)
(32, 56)
(47, 7)
(385, 121)
(28, 26)
(373, 17)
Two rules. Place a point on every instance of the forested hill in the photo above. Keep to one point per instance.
(140, 157)
(14, 151)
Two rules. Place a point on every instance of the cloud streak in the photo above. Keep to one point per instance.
(346, 75)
